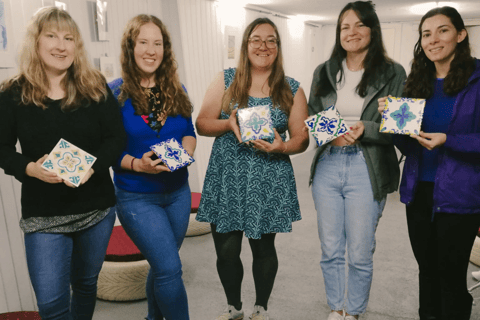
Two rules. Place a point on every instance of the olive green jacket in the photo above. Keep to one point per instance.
(377, 147)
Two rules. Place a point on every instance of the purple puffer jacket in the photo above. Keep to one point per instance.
(457, 182)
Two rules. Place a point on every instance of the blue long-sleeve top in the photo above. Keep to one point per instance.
(140, 136)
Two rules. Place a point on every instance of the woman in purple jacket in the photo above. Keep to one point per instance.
(441, 177)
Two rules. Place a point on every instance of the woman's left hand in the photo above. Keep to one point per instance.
(276, 146)
(355, 133)
(431, 140)
(84, 180)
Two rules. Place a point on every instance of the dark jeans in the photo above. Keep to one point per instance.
(442, 249)
(57, 260)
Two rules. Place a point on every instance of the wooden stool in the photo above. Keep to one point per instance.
(196, 228)
(124, 272)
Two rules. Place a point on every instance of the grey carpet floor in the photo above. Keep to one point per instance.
(299, 291)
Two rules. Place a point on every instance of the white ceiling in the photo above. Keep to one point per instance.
(387, 10)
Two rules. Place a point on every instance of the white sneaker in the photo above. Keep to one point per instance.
(334, 315)
(476, 275)
(259, 313)
(231, 314)
(350, 318)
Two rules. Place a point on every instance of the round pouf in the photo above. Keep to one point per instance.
(475, 254)
(196, 228)
(124, 272)
(22, 315)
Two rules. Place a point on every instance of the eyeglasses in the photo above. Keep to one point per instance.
(270, 43)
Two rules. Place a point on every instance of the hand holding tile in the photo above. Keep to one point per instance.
(147, 165)
(34, 169)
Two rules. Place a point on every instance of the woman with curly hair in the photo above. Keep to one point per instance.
(58, 94)
(352, 175)
(153, 203)
(250, 188)
(441, 176)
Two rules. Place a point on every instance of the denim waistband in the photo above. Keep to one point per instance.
(344, 149)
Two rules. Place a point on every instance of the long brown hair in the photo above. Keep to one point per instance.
(376, 61)
(172, 95)
(421, 80)
(280, 91)
(81, 83)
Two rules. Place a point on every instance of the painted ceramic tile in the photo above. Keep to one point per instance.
(255, 123)
(172, 154)
(69, 162)
(402, 115)
(326, 125)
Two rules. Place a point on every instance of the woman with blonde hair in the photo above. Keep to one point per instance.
(250, 188)
(153, 203)
(57, 94)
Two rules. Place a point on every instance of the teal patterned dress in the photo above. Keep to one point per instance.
(246, 189)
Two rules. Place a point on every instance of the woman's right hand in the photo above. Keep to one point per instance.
(233, 124)
(35, 170)
(382, 103)
(147, 165)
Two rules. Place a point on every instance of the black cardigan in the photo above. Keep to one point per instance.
(96, 128)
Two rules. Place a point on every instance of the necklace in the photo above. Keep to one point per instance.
(158, 114)
(354, 69)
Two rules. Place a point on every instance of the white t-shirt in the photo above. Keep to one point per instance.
(349, 103)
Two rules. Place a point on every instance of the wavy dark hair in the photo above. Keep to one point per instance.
(421, 80)
(172, 95)
(376, 61)
(280, 91)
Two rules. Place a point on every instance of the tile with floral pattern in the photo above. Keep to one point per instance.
(255, 123)
(326, 125)
(69, 162)
(173, 155)
(402, 115)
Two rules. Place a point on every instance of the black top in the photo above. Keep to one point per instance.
(96, 128)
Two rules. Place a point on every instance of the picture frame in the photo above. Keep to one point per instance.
(7, 55)
(101, 19)
(107, 68)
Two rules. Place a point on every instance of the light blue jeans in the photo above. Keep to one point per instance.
(157, 224)
(348, 216)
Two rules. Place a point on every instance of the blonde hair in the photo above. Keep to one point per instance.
(82, 82)
(172, 95)
(237, 92)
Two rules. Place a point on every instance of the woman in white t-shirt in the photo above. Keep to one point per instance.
(352, 175)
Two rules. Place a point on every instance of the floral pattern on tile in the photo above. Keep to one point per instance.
(69, 162)
(255, 123)
(326, 125)
(402, 116)
(172, 154)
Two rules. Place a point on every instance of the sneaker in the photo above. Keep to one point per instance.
(350, 318)
(259, 313)
(231, 314)
(334, 315)
(476, 275)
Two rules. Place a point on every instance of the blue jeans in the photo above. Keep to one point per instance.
(157, 224)
(348, 216)
(57, 260)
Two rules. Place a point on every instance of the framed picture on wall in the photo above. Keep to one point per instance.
(107, 67)
(6, 38)
(102, 22)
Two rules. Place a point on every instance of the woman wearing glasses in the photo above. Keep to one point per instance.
(250, 188)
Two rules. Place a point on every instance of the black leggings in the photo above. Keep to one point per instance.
(230, 269)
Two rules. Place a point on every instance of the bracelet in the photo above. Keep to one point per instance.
(285, 150)
(131, 163)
